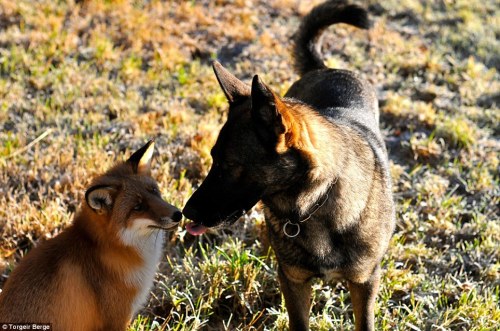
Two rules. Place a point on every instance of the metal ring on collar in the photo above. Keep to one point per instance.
(294, 234)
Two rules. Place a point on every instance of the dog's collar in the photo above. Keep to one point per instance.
(291, 228)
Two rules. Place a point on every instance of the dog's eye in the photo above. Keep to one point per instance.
(156, 191)
(139, 207)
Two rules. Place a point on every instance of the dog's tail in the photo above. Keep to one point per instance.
(306, 55)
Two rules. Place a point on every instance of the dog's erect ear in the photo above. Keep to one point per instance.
(266, 107)
(233, 88)
(100, 198)
(141, 159)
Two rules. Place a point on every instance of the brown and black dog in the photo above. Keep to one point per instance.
(317, 161)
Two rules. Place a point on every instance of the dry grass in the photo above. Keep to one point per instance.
(94, 80)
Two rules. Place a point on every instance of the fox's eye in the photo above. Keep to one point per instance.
(139, 207)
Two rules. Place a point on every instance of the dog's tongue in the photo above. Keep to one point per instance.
(196, 229)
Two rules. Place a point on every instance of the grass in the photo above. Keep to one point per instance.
(93, 80)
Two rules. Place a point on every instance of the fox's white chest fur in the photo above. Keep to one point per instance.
(149, 245)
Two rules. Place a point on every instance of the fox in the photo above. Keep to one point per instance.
(97, 273)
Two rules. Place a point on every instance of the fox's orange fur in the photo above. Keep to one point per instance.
(98, 272)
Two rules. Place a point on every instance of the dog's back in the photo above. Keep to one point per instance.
(338, 94)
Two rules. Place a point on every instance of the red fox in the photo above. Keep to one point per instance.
(97, 273)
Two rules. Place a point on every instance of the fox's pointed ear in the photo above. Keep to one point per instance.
(141, 159)
(100, 198)
(266, 106)
(233, 88)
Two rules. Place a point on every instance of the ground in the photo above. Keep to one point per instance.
(84, 84)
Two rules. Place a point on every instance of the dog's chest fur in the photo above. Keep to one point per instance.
(317, 248)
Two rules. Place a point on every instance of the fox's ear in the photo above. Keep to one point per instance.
(100, 198)
(141, 159)
(233, 88)
(266, 107)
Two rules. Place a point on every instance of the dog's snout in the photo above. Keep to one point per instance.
(190, 212)
(177, 216)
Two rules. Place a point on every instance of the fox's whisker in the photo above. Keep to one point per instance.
(162, 227)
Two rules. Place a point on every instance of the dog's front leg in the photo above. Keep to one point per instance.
(297, 293)
(363, 297)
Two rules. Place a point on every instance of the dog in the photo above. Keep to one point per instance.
(97, 273)
(317, 161)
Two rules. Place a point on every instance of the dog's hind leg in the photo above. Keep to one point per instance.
(297, 293)
(363, 301)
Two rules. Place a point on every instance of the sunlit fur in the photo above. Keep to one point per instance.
(97, 273)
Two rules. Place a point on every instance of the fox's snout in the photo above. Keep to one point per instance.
(175, 215)
(165, 214)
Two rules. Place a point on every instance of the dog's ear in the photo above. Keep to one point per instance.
(141, 159)
(266, 106)
(233, 88)
(100, 198)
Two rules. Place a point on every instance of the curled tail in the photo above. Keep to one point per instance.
(306, 55)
